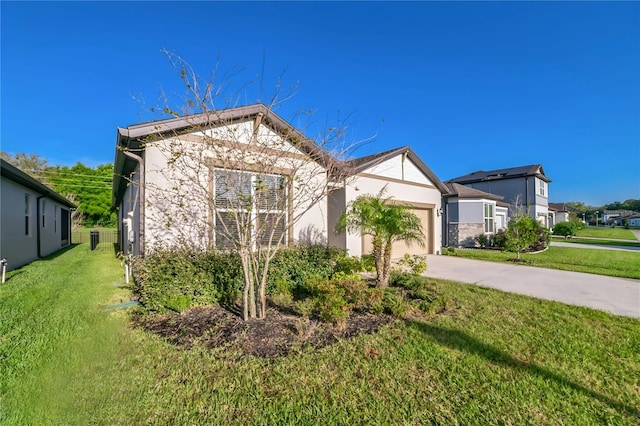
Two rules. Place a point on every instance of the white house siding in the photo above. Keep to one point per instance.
(18, 248)
(177, 195)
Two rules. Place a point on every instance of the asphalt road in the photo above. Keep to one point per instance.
(620, 296)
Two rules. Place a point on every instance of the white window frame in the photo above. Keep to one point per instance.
(44, 216)
(27, 214)
(542, 188)
(489, 217)
(255, 211)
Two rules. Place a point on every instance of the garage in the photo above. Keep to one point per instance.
(399, 248)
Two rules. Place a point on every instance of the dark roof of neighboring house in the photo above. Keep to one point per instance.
(558, 207)
(508, 173)
(133, 137)
(15, 174)
(461, 191)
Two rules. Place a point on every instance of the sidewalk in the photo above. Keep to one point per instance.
(620, 296)
(594, 246)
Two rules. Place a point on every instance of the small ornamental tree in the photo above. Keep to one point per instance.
(521, 234)
(385, 222)
(233, 182)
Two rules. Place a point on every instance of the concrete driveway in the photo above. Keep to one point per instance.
(620, 296)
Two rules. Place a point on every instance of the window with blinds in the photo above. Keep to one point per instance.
(245, 198)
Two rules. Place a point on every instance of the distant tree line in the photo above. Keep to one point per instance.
(578, 209)
(89, 188)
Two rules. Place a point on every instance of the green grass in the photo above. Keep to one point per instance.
(606, 232)
(614, 263)
(497, 359)
(600, 242)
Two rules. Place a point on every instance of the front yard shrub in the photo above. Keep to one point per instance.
(294, 266)
(304, 307)
(178, 279)
(415, 264)
(407, 280)
(394, 304)
(499, 239)
(565, 229)
(483, 240)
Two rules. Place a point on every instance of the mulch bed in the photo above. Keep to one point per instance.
(277, 335)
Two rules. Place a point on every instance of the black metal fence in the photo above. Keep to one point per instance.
(98, 240)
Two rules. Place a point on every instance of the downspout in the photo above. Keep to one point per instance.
(141, 184)
(38, 224)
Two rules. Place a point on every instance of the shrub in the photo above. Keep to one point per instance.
(178, 279)
(525, 234)
(407, 280)
(565, 229)
(368, 263)
(483, 240)
(292, 267)
(450, 251)
(304, 307)
(394, 304)
(349, 264)
(499, 239)
(413, 263)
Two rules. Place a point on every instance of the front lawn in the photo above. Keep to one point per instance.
(606, 232)
(623, 264)
(496, 358)
(601, 242)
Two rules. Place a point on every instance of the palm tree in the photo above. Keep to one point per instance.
(386, 222)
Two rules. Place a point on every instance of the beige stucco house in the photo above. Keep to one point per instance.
(172, 179)
(35, 220)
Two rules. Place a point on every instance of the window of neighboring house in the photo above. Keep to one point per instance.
(44, 209)
(27, 211)
(488, 218)
(246, 197)
(542, 188)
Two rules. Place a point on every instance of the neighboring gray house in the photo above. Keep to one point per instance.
(527, 186)
(154, 174)
(470, 212)
(36, 221)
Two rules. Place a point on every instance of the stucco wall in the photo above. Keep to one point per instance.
(18, 248)
(179, 182)
(420, 195)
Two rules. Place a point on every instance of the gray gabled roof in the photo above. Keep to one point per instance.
(132, 138)
(508, 173)
(358, 165)
(461, 191)
(13, 173)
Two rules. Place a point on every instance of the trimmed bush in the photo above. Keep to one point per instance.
(179, 279)
(565, 229)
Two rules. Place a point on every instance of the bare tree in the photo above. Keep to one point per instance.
(237, 178)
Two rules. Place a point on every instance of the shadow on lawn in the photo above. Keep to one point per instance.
(459, 340)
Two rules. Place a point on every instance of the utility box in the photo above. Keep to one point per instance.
(95, 239)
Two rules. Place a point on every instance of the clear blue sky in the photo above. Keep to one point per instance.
(469, 86)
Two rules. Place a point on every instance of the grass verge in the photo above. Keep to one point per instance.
(498, 359)
(599, 242)
(606, 232)
(613, 263)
